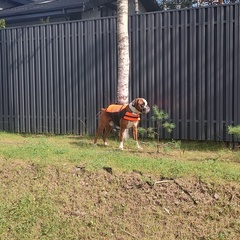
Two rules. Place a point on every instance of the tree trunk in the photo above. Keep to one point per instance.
(123, 51)
(136, 7)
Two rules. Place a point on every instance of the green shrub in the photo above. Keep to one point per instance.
(234, 130)
(161, 119)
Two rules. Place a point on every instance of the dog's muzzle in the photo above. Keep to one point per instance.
(146, 110)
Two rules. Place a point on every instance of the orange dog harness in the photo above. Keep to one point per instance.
(119, 111)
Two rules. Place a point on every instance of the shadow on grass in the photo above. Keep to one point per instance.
(87, 142)
(186, 145)
(202, 146)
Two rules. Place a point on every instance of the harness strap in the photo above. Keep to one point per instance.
(131, 117)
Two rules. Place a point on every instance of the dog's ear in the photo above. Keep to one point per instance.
(134, 102)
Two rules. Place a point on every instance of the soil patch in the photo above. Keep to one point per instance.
(104, 205)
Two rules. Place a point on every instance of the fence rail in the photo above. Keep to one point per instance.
(55, 78)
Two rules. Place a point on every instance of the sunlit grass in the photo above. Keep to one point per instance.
(208, 160)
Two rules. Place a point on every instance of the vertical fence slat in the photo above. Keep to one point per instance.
(37, 76)
(82, 91)
(68, 79)
(26, 80)
(33, 127)
(4, 82)
(150, 60)
(62, 77)
(229, 62)
(201, 74)
(50, 89)
(210, 75)
(236, 67)
(175, 74)
(21, 102)
(43, 78)
(219, 76)
(56, 80)
(193, 84)
(1, 83)
(142, 54)
(113, 58)
(183, 77)
(74, 87)
(134, 73)
(10, 82)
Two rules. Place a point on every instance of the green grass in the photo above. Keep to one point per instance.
(208, 160)
(54, 187)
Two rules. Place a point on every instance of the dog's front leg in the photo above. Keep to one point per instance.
(121, 138)
(135, 135)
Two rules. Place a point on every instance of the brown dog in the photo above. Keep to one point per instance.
(124, 116)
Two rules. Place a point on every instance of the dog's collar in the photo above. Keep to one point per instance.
(133, 109)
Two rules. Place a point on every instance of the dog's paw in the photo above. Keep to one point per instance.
(138, 146)
(121, 146)
(106, 144)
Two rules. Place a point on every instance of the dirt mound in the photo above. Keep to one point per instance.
(67, 202)
(144, 207)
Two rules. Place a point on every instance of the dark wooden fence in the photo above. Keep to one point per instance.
(55, 78)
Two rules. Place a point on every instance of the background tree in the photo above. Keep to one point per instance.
(123, 51)
(175, 4)
(2, 23)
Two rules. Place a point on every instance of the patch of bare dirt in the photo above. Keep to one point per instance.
(143, 207)
(104, 205)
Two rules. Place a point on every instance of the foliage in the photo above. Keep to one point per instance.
(161, 119)
(149, 132)
(45, 20)
(2, 23)
(170, 146)
(234, 130)
(174, 4)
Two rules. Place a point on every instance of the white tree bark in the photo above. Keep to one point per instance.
(123, 51)
(136, 7)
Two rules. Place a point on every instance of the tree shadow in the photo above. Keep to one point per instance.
(202, 146)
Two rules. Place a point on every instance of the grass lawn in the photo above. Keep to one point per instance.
(62, 187)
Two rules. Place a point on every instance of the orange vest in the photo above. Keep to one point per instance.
(133, 117)
(119, 111)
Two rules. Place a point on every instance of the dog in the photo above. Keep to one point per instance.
(123, 116)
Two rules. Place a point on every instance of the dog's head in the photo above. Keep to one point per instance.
(139, 106)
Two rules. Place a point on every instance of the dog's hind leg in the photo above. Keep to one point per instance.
(107, 131)
(99, 131)
(96, 137)
(104, 118)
